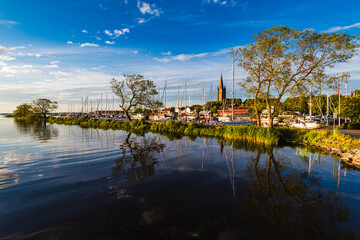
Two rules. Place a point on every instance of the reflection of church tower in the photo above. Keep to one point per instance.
(221, 91)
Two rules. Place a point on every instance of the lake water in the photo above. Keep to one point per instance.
(67, 182)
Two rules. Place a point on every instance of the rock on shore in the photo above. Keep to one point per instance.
(351, 157)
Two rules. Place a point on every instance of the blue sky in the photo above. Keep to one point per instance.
(65, 50)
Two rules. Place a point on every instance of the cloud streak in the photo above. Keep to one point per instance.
(338, 28)
(186, 57)
(5, 49)
(8, 23)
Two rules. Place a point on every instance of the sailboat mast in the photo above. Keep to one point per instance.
(178, 97)
(232, 93)
(310, 113)
(165, 94)
(203, 95)
(210, 95)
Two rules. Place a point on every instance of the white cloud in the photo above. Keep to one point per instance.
(135, 52)
(147, 8)
(5, 49)
(337, 29)
(229, 3)
(89, 45)
(110, 43)
(187, 57)
(69, 42)
(54, 62)
(26, 68)
(8, 22)
(50, 66)
(29, 54)
(6, 58)
(166, 53)
(143, 20)
(84, 31)
(117, 33)
(181, 57)
(97, 38)
(102, 6)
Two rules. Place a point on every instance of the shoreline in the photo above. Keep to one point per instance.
(349, 150)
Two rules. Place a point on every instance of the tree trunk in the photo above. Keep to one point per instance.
(127, 115)
(270, 116)
(258, 123)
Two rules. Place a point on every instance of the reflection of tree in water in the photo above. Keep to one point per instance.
(39, 130)
(282, 202)
(138, 158)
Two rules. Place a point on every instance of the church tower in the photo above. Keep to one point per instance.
(221, 91)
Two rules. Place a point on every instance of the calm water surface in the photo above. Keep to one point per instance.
(66, 182)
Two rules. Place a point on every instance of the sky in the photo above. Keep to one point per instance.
(65, 50)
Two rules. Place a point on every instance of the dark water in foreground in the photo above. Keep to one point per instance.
(65, 182)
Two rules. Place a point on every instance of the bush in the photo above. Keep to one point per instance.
(352, 125)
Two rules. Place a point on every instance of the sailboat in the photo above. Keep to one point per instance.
(307, 123)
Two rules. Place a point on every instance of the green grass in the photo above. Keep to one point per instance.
(251, 134)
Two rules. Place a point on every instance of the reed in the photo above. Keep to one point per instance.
(251, 134)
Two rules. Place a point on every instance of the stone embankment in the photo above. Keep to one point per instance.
(350, 157)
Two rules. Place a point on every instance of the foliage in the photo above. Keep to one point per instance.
(296, 104)
(287, 61)
(352, 125)
(355, 93)
(44, 106)
(134, 91)
(350, 108)
(24, 110)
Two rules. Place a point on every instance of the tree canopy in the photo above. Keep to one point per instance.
(285, 61)
(350, 108)
(43, 106)
(24, 110)
(134, 91)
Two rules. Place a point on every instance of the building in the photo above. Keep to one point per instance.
(221, 91)
(237, 112)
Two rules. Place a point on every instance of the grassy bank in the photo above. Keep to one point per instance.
(320, 138)
(246, 133)
(253, 134)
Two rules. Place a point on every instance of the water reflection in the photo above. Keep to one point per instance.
(39, 130)
(138, 158)
(281, 201)
(8, 179)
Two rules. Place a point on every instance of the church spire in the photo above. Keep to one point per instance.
(221, 91)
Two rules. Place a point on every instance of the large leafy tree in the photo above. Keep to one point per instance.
(43, 106)
(284, 61)
(134, 91)
(24, 110)
(296, 104)
(350, 108)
